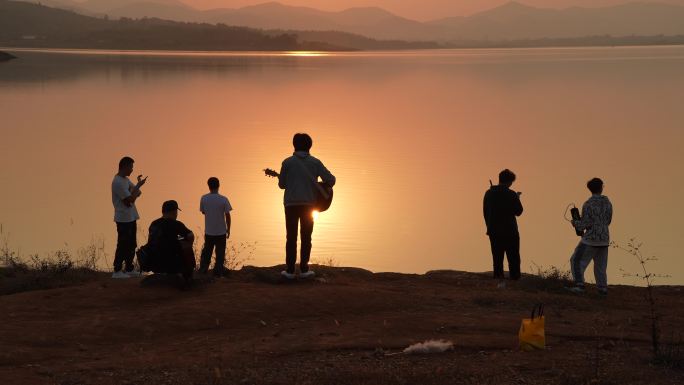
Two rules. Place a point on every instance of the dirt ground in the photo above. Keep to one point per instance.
(252, 328)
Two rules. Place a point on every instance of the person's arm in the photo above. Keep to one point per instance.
(122, 192)
(282, 178)
(135, 191)
(586, 220)
(326, 175)
(228, 221)
(487, 209)
(227, 209)
(186, 233)
(202, 206)
(517, 206)
(610, 213)
(134, 195)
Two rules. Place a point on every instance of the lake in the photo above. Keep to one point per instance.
(413, 138)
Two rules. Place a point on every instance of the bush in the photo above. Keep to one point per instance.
(548, 279)
(56, 270)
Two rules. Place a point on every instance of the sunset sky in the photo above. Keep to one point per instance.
(420, 9)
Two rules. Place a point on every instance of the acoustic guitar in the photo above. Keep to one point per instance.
(324, 193)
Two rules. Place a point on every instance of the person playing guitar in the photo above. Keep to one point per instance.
(304, 194)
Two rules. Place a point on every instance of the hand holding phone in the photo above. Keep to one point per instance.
(141, 181)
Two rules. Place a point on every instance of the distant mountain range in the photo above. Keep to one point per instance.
(32, 25)
(511, 21)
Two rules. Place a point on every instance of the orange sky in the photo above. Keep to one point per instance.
(419, 9)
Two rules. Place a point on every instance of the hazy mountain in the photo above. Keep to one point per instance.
(139, 9)
(106, 6)
(370, 21)
(511, 21)
(518, 21)
(32, 25)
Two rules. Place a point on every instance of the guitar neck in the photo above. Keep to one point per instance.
(271, 173)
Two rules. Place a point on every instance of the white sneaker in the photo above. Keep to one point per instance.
(287, 275)
(120, 275)
(308, 274)
(133, 274)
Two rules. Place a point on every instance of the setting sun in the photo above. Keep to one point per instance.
(315, 214)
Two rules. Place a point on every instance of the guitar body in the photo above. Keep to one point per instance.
(323, 203)
(324, 193)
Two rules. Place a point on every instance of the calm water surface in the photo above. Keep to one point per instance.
(413, 138)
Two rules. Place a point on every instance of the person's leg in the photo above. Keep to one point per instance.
(307, 225)
(513, 255)
(601, 268)
(120, 246)
(133, 244)
(578, 264)
(205, 257)
(220, 244)
(291, 225)
(125, 246)
(497, 256)
(187, 260)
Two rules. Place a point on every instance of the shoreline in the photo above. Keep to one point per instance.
(308, 53)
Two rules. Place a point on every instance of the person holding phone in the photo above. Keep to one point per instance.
(124, 195)
(501, 207)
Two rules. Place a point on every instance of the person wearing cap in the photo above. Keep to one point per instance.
(170, 244)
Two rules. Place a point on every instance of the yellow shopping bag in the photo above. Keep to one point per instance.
(531, 334)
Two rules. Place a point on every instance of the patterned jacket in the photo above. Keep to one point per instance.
(597, 213)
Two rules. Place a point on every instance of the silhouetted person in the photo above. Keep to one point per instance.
(169, 247)
(124, 195)
(297, 177)
(216, 209)
(501, 207)
(597, 214)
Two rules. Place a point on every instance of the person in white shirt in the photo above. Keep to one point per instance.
(124, 195)
(216, 209)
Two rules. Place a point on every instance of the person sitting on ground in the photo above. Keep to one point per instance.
(169, 248)
(216, 209)
(597, 214)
